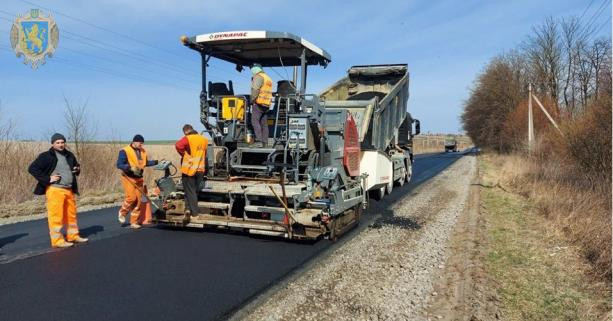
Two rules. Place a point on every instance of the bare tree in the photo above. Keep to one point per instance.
(544, 53)
(7, 134)
(573, 41)
(585, 71)
(78, 124)
(600, 58)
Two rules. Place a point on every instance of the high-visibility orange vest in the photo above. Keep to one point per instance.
(265, 95)
(193, 161)
(133, 159)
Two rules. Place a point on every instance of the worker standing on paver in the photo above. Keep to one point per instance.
(261, 97)
(192, 148)
(132, 161)
(56, 171)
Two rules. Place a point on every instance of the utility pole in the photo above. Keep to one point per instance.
(530, 122)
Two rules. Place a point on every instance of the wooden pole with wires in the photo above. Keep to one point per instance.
(530, 120)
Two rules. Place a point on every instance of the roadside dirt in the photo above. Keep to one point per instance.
(464, 290)
(390, 270)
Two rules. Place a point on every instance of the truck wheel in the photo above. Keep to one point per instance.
(409, 174)
(388, 188)
(400, 182)
(378, 194)
(403, 178)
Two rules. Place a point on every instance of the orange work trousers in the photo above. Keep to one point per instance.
(62, 211)
(134, 201)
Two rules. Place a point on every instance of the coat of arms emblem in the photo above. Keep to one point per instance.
(34, 37)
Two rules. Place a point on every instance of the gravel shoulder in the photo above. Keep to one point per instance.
(464, 289)
(387, 272)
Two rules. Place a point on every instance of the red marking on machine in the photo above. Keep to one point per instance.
(351, 151)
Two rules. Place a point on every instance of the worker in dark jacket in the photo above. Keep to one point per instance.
(56, 171)
(132, 161)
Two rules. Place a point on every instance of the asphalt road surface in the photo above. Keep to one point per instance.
(154, 273)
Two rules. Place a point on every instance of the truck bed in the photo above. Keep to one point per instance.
(376, 96)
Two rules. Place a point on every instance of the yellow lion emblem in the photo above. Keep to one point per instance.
(34, 36)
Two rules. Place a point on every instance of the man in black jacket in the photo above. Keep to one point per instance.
(56, 171)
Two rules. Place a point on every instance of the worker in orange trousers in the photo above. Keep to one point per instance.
(132, 161)
(56, 171)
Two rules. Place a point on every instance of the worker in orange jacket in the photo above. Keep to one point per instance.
(56, 171)
(132, 161)
(192, 148)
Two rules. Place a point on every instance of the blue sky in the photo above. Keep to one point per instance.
(137, 78)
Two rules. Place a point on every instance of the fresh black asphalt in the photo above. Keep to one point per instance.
(152, 273)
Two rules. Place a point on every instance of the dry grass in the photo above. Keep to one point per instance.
(539, 275)
(568, 177)
(98, 182)
(582, 216)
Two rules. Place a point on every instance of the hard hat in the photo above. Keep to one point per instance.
(256, 68)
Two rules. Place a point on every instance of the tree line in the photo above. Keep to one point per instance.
(569, 72)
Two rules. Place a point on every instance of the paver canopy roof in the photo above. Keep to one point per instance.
(268, 48)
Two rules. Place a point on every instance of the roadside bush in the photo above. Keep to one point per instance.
(568, 176)
(515, 127)
(569, 179)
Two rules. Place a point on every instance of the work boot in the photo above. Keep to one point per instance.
(63, 244)
(79, 239)
(195, 216)
(121, 219)
(187, 216)
(135, 226)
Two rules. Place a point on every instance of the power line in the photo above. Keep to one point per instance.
(587, 31)
(278, 74)
(584, 11)
(116, 49)
(136, 57)
(602, 25)
(97, 68)
(101, 28)
(89, 55)
(110, 31)
(77, 65)
(104, 46)
(126, 52)
(124, 64)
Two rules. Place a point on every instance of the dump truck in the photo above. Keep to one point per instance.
(327, 153)
(451, 144)
(376, 96)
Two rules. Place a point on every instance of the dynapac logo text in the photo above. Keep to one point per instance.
(228, 35)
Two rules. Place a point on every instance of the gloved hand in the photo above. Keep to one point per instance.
(136, 171)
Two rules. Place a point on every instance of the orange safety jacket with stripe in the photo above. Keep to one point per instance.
(265, 95)
(133, 158)
(193, 160)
